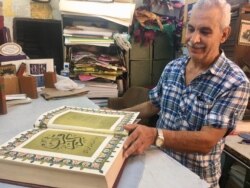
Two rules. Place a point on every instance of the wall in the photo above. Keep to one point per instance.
(28, 9)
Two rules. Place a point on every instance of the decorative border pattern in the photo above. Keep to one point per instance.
(128, 116)
(7, 152)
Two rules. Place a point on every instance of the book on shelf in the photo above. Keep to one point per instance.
(15, 96)
(98, 64)
(120, 13)
(95, 93)
(15, 99)
(18, 101)
(81, 30)
(101, 89)
(71, 40)
(68, 147)
(107, 85)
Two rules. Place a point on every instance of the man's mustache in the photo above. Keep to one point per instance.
(195, 45)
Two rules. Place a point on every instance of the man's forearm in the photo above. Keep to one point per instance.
(193, 141)
(146, 109)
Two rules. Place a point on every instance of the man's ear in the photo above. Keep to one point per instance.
(225, 34)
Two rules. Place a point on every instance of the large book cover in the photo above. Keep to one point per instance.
(68, 147)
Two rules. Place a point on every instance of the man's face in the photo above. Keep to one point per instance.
(204, 35)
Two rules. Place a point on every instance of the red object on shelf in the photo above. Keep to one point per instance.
(1, 22)
(3, 105)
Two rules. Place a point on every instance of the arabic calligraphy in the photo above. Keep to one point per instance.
(71, 143)
(61, 141)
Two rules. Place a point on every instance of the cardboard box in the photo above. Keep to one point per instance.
(28, 86)
(49, 79)
(11, 84)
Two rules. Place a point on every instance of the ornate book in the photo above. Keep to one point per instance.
(68, 147)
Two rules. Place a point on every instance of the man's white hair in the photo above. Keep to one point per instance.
(222, 4)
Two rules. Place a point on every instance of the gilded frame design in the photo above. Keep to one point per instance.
(244, 34)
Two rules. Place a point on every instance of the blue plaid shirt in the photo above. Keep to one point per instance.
(217, 97)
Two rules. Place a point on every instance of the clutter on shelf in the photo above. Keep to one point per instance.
(158, 17)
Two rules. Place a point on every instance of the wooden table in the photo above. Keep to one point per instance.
(236, 151)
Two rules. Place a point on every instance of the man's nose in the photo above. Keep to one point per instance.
(195, 38)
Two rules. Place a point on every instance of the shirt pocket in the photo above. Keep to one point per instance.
(198, 107)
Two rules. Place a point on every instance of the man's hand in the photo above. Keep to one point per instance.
(140, 138)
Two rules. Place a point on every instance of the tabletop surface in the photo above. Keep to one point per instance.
(152, 169)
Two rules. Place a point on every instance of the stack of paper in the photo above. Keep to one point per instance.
(15, 99)
(88, 35)
(120, 13)
(101, 89)
(80, 30)
(97, 66)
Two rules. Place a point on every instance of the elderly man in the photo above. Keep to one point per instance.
(198, 98)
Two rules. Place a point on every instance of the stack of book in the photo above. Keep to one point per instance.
(89, 66)
(98, 73)
(90, 47)
(101, 90)
(88, 35)
(15, 99)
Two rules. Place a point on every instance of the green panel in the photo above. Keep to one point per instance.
(86, 120)
(140, 73)
(140, 52)
(71, 143)
(163, 48)
(158, 66)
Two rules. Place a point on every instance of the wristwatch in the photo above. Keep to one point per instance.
(159, 139)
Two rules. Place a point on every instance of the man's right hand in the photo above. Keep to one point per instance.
(140, 138)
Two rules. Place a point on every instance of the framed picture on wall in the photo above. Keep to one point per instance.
(37, 68)
(187, 11)
(244, 34)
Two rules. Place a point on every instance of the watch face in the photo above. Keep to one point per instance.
(159, 142)
(160, 138)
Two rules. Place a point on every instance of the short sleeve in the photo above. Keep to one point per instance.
(229, 108)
